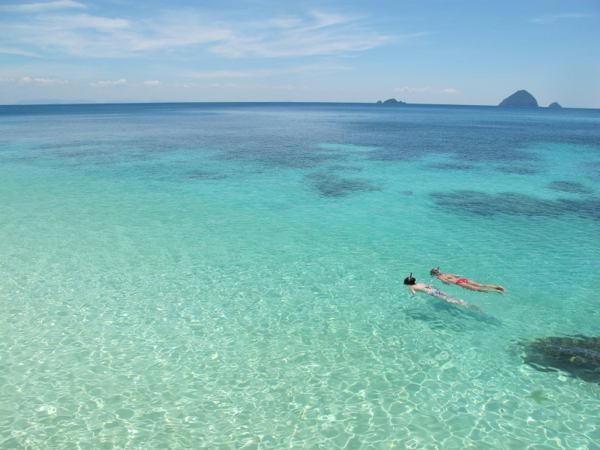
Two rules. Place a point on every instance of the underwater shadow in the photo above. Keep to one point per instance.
(469, 313)
(451, 317)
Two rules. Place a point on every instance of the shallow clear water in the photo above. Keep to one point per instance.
(230, 275)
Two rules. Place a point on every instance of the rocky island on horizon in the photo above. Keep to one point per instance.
(391, 101)
(520, 99)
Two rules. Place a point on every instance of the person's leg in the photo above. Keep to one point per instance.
(473, 286)
(493, 287)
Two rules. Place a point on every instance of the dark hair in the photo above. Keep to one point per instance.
(434, 271)
(410, 280)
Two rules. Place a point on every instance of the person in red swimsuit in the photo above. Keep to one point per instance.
(450, 278)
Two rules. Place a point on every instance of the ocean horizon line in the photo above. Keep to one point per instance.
(283, 102)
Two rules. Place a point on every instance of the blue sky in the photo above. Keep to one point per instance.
(458, 52)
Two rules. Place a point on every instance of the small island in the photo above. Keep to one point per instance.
(391, 101)
(520, 99)
(554, 105)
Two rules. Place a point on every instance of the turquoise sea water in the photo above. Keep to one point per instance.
(230, 275)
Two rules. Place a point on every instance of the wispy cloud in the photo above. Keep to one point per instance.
(42, 6)
(323, 19)
(17, 51)
(82, 22)
(548, 19)
(73, 34)
(151, 83)
(108, 83)
(222, 74)
(268, 72)
(298, 46)
(283, 22)
(312, 34)
(317, 33)
(174, 32)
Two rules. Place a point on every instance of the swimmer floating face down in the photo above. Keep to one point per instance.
(467, 283)
(415, 287)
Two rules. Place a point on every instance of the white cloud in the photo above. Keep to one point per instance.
(17, 51)
(108, 83)
(151, 83)
(41, 81)
(552, 18)
(450, 90)
(42, 6)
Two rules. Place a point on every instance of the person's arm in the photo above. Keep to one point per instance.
(412, 289)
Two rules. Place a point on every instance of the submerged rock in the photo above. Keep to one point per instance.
(576, 355)
(520, 99)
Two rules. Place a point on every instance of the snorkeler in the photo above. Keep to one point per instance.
(411, 282)
(450, 278)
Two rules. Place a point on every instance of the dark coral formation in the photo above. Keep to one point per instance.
(329, 184)
(576, 355)
(517, 170)
(283, 158)
(515, 204)
(571, 187)
(204, 175)
(449, 166)
(344, 168)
